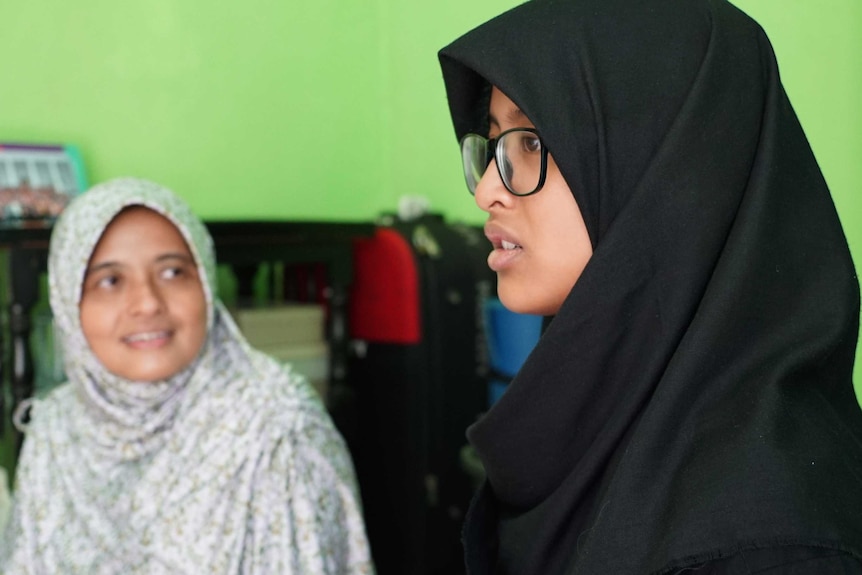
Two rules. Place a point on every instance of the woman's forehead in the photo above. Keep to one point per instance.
(502, 111)
(136, 230)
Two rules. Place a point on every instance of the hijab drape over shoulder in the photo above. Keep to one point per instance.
(230, 466)
(693, 396)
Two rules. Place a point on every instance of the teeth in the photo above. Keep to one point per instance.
(509, 245)
(146, 336)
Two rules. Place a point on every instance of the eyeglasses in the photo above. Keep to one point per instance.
(522, 160)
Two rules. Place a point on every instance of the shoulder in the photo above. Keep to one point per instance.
(47, 432)
(267, 387)
(285, 408)
(51, 409)
(784, 560)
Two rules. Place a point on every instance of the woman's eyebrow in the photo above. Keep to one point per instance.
(175, 256)
(115, 264)
(100, 266)
(513, 116)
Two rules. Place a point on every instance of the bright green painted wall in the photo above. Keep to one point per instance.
(331, 109)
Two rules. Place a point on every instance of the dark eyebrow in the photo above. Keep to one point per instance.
(513, 116)
(164, 257)
(176, 256)
(101, 266)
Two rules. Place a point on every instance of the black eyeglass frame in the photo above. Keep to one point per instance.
(493, 151)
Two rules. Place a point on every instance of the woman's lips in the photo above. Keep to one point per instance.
(505, 249)
(147, 339)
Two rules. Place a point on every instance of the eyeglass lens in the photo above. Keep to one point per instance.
(519, 159)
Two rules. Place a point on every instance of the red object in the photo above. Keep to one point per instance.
(384, 297)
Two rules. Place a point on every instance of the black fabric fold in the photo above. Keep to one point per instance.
(693, 396)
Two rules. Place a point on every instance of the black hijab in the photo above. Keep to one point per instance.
(693, 396)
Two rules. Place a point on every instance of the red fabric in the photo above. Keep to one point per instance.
(384, 298)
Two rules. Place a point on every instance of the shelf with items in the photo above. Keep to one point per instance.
(245, 250)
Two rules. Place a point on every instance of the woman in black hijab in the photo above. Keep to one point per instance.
(690, 406)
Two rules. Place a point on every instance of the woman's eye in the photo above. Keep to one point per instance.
(172, 272)
(107, 282)
(531, 144)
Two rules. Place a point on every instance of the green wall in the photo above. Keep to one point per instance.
(331, 109)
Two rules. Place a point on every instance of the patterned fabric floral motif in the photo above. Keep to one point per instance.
(230, 466)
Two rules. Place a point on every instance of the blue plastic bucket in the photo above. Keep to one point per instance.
(511, 338)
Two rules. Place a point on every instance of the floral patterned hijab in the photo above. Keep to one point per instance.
(230, 466)
(131, 416)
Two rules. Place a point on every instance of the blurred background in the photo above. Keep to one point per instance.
(331, 109)
(328, 111)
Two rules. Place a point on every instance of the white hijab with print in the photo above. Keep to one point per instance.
(230, 466)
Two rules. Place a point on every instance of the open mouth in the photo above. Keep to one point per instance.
(146, 337)
(504, 255)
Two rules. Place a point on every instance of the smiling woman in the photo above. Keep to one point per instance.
(143, 309)
(174, 447)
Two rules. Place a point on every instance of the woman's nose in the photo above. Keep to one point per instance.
(490, 190)
(146, 298)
